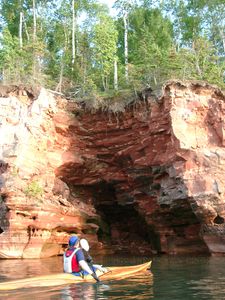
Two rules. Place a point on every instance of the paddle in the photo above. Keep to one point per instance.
(85, 245)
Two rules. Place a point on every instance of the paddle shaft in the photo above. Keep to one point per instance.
(90, 263)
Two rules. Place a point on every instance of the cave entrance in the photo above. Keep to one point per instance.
(122, 227)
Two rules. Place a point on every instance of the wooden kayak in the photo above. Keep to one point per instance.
(112, 273)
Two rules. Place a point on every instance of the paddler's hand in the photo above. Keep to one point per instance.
(89, 260)
(95, 277)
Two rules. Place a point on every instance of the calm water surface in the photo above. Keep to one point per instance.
(171, 278)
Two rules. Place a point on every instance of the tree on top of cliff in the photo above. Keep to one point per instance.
(64, 47)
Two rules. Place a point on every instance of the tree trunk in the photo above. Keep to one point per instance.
(34, 40)
(115, 75)
(59, 85)
(21, 30)
(223, 39)
(106, 83)
(26, 30)
(62, 64)
(125, 20)
(103, 82)
(34, 21)
(73, 34)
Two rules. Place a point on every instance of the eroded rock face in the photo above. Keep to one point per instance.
(36, 218)
(147, 180)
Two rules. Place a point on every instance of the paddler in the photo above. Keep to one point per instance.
(74, 261)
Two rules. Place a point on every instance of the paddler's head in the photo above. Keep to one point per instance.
(73, 241)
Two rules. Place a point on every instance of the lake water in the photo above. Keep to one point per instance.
(174, 278)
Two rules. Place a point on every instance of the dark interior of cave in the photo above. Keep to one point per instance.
(218, 220)
(122, 227)
(127, 231)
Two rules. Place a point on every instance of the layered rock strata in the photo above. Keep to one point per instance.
(36, 218)
(145, 180)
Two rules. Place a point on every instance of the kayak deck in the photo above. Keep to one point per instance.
(63, 278)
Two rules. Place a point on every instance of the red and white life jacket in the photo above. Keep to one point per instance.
(70, 265)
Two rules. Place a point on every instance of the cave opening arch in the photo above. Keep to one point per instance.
(121, 226)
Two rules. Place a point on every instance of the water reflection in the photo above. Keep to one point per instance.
(18, 268)
(174, 278)
(211, 284)
(189, 278)
(137, 287)
(78, 291)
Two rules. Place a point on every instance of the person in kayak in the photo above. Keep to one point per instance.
(74, 261)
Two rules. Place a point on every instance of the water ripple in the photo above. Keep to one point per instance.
(175, 278)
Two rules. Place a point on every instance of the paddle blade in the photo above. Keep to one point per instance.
(84, 244)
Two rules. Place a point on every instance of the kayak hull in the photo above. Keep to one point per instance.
(112, 273)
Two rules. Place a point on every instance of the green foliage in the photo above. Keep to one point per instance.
(105, 41)
(204, 60)
(150, 39)
(166, 39)
(10, 10)
(9, 54)
(17, 65)
(34, 189)
(201, 63)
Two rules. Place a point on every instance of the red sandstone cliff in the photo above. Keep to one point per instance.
(149, 179)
